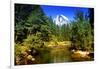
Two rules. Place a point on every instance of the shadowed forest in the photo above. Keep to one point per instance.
(39, 40)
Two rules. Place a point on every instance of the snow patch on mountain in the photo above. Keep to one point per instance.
(60, 20)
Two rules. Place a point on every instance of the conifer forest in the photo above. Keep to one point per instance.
(52, 34)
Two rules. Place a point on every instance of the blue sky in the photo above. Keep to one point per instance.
(69, 12)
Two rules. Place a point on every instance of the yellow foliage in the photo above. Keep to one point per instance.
(20, 48)
(57, 43)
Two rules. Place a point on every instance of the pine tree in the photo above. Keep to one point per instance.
(81, 32)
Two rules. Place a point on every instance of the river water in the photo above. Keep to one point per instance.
(61, 54)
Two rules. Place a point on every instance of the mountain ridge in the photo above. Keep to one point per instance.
(60, 20)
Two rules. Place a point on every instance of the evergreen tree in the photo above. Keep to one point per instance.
(81, 32)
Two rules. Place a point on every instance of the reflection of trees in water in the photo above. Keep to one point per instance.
(57, 54)
(63, 54)
(60, 54)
